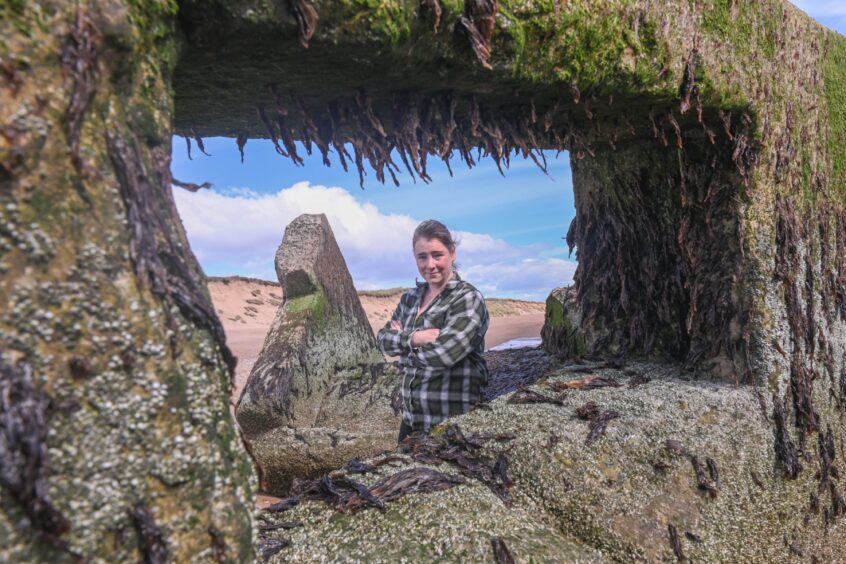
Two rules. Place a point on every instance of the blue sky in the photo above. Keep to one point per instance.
(510, 228)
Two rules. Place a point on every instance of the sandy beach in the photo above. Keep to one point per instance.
(247, 306)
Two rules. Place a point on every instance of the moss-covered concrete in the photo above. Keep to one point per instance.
(141, 456)
(320, 392)
(737, 107)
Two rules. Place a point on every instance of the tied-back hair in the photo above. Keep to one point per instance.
(434, 229)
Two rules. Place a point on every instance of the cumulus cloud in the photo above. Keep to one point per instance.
(237, 231)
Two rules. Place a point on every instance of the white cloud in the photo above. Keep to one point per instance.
(237, 231)
(527, 278)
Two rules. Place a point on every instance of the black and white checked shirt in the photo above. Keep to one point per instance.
(444, 377)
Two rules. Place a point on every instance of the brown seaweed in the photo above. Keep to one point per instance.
(80, 67)
(433, 6)
(687, 85)
(589, 383)
(478, 24)
(80, 367)
(456, 449)
(24, 413)
(598, 425)
(404, 482)
(191, 186)
(357, 466)
(199, 141)
(284, 505)
(675, 542)
(270, 547)
(526, 395)
(306, 17)
(587, 411)
(636, 379)
(702, 482)
(218, 545)
(713, 471)
(784, 448)
(160, 264)
(501, 553)
(151, 540)
(241, 141)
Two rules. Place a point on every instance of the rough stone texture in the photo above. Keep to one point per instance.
(709, 172)
(116, 439)
(684, 124)
(561, 335)
(320, 391)
(610, 501)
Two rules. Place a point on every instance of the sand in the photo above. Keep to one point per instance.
(247, 306)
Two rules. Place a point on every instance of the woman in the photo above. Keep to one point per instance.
(438, 331)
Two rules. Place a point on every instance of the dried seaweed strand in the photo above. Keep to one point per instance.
(25, 410)
(501, 553)
(675, 542)
(306, 17)
(150, 538)
(191, 186)
(79, 64)
(598, 425)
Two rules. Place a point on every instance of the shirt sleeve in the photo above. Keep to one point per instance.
(390, 341)
(466, 321)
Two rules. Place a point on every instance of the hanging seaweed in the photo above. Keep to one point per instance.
(199, 141)
(161, 264)
(241, 141)
(784, 448)
(478, 24)
(191, 186)
(306, 18)
(79, 65)
(433, 6)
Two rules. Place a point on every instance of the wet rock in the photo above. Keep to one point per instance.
(560, 335)
(320, 392)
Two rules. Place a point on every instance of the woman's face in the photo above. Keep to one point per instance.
(434, 261)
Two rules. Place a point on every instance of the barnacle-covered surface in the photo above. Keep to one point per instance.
(320, 392)
(117, 440)
(682, 453)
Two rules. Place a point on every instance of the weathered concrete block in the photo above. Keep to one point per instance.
(688, 456)
(320, 392)
(560, 334)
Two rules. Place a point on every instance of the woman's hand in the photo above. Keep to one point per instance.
(424, 336)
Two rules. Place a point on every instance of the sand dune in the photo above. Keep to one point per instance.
(247, 306)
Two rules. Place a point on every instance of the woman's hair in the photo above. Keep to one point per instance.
(434, 229)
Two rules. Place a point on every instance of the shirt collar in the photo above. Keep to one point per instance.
(452, 283)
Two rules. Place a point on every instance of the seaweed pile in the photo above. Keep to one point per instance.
(347, 495)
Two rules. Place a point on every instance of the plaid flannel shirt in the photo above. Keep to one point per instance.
(444, 377)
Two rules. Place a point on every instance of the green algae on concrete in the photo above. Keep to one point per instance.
(749, 195)
(320, 391)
